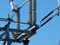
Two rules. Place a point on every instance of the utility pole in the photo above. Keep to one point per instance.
(19, 35)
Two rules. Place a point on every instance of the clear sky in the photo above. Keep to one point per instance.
(49, 34)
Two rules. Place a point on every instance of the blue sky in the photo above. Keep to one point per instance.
(49, 34)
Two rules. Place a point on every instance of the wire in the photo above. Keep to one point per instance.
(22, 4)
(49, 14)
(48, 20)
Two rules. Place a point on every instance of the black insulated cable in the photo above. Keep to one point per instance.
(48, 20)
(47, 15)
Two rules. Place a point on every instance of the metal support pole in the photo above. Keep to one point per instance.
(33, 12)
(7, 34)
(30, 12)
(18, 19)
(59, 42)
(59, 7)
(17, 11)
(4, 42)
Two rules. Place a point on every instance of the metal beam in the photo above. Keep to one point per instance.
(12, 40)
(3, 34)
(30, 13)
(33, 12)
(14, 30)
